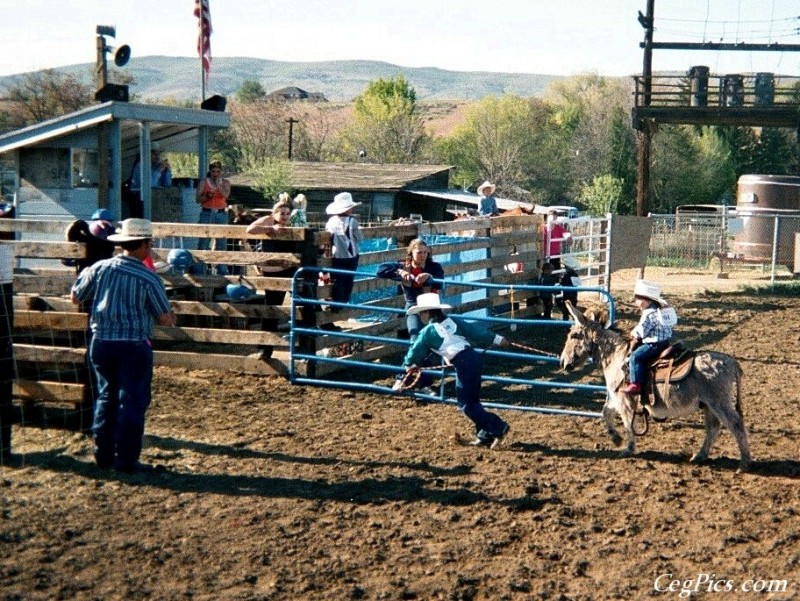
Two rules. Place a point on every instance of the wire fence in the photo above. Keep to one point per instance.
(722, 242)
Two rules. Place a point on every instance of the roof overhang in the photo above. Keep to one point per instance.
(173, 127)
(469, 199)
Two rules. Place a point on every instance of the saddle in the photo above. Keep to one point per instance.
(674, 364)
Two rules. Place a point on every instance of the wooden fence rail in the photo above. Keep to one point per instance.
(215, 333)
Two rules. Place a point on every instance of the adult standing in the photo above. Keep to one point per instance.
(212, 194)
(345, 238)
(555, 232)
(487, 206)
(125, 299)
(160, 177)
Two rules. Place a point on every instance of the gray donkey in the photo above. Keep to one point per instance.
(714, 385)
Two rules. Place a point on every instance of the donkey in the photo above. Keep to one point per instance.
(714, 385)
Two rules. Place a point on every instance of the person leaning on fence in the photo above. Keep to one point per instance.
(454, 339)
(298, 217)
(345, 238)
(125, 299)
(651, 335)
(275, 221)
(415, 274)
(554, 234)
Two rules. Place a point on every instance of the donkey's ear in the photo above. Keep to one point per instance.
(579, 317)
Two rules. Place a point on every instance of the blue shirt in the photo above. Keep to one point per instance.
(487, 206)
(158, 178)
(125, 297)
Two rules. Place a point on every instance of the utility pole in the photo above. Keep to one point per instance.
(644, 130)
(291, 121)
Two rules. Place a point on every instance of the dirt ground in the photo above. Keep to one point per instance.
(271, 491)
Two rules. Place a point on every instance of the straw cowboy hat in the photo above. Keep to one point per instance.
(133, 229)
(342, 203)
(649, 290)
(485, 185)
(427, 302)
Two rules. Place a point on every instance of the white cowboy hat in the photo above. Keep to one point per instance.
(342, 203)
(133, 229)
(427, 302)
(486, 184)
(648, 290)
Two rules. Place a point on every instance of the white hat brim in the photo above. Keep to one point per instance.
(338, 209)
(417, 309)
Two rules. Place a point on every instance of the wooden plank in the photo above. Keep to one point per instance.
(208, 309)
(273, 366)
(36, 302)
(46, 250)
(239, 232)
(234, 257)
(51, 320)
(52, 285)
(34, 226)
(48, 391)
(49, 354)
(219, 336)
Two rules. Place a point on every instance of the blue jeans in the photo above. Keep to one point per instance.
(640, 359)
(469, 364)
(124, 372)
(216, 218)
(342, 287)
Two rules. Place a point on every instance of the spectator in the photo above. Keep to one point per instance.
(555, 232)
(298, 217)
(415, 273)
(102, 224)
(212, 194)
(278, 219)
(125, 298)
(160, 177)
(487, 205)
(345, 238)
(455, 339)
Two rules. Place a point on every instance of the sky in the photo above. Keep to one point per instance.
(556, 37)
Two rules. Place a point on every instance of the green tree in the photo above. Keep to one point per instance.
(386, 125)
(250, 91)
(47, 94)
(271, 175)
(492, 143)
(602, 195)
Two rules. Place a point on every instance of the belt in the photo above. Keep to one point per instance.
(212, 210)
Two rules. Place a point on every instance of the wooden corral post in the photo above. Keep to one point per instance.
(6, 354)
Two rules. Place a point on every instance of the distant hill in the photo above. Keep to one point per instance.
(162, 77)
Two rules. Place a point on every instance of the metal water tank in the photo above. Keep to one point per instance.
(732, 90)
(698, 78)
(765, 89)
(761, 202)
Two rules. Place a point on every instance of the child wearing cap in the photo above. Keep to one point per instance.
(651, 335)
(455, 339)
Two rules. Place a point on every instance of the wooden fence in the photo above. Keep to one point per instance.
(215, 333)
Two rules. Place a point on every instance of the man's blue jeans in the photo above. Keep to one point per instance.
(124, 372)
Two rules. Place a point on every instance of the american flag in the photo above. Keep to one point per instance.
(203, 13)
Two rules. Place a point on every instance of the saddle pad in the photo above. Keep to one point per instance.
(673, 369)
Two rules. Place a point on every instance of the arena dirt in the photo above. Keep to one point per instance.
(272, 491)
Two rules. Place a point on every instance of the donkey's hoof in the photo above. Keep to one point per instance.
(698, 458)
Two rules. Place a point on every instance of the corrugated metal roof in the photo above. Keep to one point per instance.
(168, 124)
(354, 177)
(460, 196)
